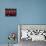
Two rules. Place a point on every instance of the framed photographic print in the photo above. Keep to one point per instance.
(10, 12)
(32, 32)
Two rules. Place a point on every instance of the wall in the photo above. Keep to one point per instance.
(28, 12)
